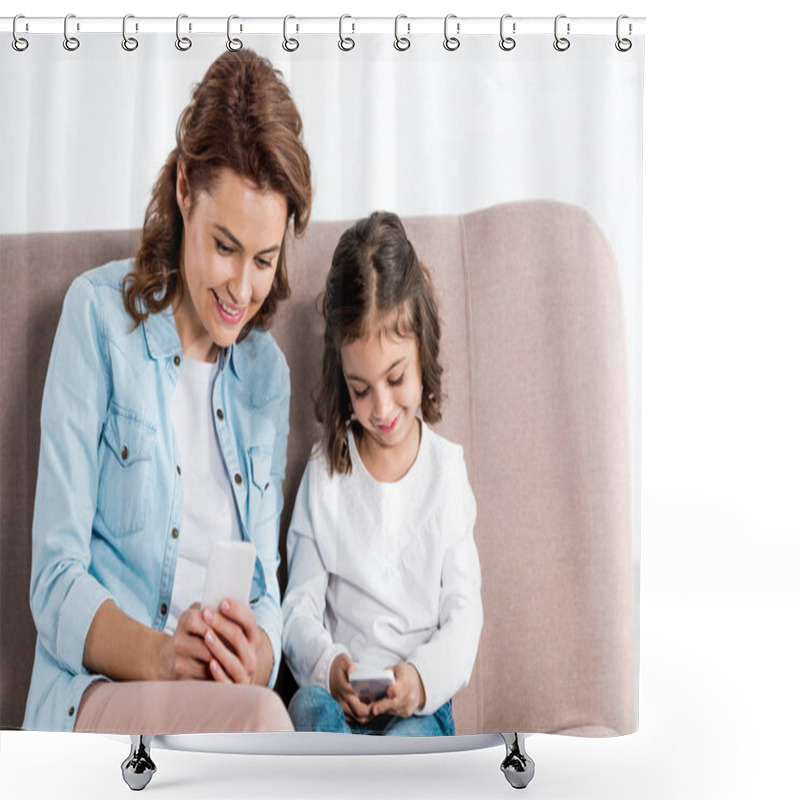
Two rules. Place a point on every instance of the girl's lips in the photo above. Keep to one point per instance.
(229, 314)
(388, 428)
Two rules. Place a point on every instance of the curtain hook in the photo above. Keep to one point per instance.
(233, 44)
(128, 42)
(70, 42)
(451, 42)
(401, 42)
(183, 43)
(290, 44)
(346, 43)
(561, 43)
(18, 42)
(623, 45)
(507, 42)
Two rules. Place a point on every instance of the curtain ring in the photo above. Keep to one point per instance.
(18, 43)
(401, 42)
(70, 42)
(623, 45)
(128, 42)
(451, 42)
(232, 44)
(290, 44)
(507, 42)
(345, 42)
(183, 43)
(561, 43)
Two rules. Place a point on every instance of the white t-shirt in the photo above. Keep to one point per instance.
(385, 572)
(209, 509)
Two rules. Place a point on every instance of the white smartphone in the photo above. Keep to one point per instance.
(229, 573)
(371, 684)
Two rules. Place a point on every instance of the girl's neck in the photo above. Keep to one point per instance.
(389, 464)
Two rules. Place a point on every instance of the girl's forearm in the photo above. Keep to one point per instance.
(123, 649)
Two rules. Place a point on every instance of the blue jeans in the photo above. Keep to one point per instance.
(314, 709)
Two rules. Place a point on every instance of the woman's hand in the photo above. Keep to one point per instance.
(240, 651)
(341, 690)
(184, 655)
(405, 696)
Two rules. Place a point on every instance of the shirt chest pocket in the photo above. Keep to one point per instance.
(259, 458)
(125, 459)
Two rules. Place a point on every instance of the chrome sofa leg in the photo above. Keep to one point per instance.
(138, 768)
(517, 766)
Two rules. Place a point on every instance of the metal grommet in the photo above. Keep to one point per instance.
(451, 42)
(507, 42)
(71, 43)
(623, 45)
(18, 43)
(345, 42)
(183, 43)
(128, 42)
(290, 44)
(401, 43)
(561, 43)
(233, 44)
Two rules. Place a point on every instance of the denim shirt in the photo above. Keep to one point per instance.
(109, 502)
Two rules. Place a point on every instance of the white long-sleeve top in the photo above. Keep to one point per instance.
(385, 572)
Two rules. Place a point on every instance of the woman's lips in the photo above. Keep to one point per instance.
(229, 314)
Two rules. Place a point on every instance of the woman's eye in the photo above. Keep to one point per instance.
(223, 248)
(263, 263)
(396, 381)
(360, 394)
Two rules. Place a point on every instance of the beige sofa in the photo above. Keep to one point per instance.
(536, 384)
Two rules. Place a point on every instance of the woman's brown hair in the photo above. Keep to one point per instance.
(376, 284)
(241, 117)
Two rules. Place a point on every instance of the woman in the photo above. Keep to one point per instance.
(164, 424)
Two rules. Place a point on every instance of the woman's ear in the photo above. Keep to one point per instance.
(181, 187)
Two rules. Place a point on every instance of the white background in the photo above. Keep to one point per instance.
(720, 609)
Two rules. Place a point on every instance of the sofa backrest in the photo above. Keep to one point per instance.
(536, 392)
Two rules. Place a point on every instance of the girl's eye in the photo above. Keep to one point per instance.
(396, 381)
(222, 248)
(360, 394)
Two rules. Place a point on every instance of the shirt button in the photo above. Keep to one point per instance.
(71, 711)
(124, 452)
(179, 469)
(238, 478)
(174, 533)
(163, 609)
(176, 361)
(220, 415)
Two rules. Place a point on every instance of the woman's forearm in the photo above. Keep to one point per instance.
(123, 649)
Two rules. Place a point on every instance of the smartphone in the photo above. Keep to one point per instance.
(371, 684)
(229, 573)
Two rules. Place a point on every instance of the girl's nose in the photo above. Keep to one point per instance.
(383, 403)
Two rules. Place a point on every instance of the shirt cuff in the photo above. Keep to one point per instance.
(322, 669)
(274, 629)
(75, 617)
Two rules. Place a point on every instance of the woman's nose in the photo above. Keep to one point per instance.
(239, 283)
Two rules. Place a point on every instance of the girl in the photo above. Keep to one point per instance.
(383, 568)
(164, 424)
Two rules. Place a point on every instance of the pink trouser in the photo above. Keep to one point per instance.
(169, 707)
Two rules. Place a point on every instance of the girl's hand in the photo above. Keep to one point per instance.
(341, 690)
(240, 651)
(184, 655)
(405, 696)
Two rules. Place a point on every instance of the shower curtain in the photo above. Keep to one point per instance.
(511, 149)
